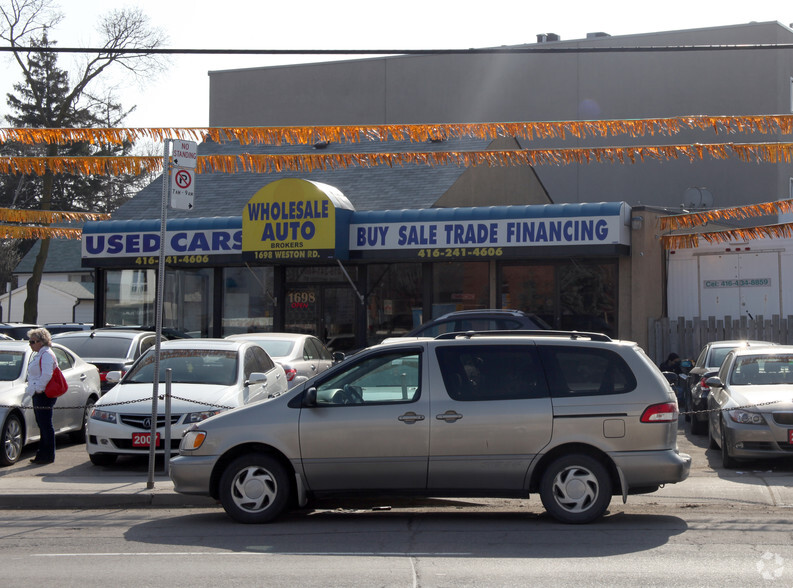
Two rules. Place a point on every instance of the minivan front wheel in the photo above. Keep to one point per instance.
(254, 488)
(576, 489)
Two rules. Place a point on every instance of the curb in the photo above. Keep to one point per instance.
(99, 501)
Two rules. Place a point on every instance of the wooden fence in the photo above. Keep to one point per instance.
(687, 337)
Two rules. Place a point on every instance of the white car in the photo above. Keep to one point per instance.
(208, 376)
(302, 356)
(16, 413)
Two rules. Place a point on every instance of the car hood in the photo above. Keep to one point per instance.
(780, 394)
(184, 397)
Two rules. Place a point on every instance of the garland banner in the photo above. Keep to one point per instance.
(22, 232)
(16, 215)
(689, 240)
(777, 123)
(269, 163)
(687, 221)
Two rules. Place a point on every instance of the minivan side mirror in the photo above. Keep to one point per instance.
(310, 398)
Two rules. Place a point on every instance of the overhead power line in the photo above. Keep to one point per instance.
(527, 49)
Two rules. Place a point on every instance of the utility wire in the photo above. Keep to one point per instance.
(540, 49)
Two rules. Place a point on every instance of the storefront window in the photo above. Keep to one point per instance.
(530, 288)
(130, 297)
(588, 297)
(248, 302)
(394, 302)
(567, 295)
(459, 286)
(187, 304)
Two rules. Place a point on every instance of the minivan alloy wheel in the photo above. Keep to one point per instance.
(254, 488)
(576, 489)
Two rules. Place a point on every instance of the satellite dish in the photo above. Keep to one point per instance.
(697, 198)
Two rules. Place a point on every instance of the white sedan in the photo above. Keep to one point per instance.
(16, 412)
(208, 376)
(302, 356)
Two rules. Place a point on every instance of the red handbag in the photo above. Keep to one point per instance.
(57, 385)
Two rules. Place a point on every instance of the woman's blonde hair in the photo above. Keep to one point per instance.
(41, 334)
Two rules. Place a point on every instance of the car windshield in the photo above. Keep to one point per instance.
(188, 366)
(760, 370)
(88, 346)
(275, 347)
(11, 364)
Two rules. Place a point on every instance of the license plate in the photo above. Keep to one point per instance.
(144, 439)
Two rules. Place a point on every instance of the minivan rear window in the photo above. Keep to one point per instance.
(585, 371)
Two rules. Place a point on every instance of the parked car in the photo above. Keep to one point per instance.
(108, 349)
(16, 415)
(751, 405)
(208, 376)
(707, 364)
(574, 417)
(462, 321)
(301, 356)
(56, 328)
(17, 331)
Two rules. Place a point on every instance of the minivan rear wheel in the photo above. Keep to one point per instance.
(576, 489)
(254, 488)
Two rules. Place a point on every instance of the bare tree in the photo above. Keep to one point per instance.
(22, 24)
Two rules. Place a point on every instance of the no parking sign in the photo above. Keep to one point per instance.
(183, 174)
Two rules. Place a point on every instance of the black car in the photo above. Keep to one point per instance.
(18, 331)
(708, 363)
(108, 349)
(480, 320)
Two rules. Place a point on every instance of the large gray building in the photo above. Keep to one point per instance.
(601, 77)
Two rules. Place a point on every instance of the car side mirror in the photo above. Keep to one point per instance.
(113, 377)
(256, 378)
(671, 377)
(310, 398)
(338, 356)
(714, 382)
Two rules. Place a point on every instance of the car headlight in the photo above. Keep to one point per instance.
(744, 417)
(193, 439)
(197, 417)
(104, 416)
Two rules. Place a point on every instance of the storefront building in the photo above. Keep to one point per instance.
(300, 258)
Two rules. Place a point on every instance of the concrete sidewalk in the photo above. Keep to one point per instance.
(73, 482)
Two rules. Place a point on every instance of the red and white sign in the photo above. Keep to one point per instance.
(185, 153)
(182, 188)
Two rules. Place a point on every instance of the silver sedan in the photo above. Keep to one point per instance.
(17, 420)
(751, 405)
(302, 356)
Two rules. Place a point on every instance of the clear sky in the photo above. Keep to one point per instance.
(179, 96)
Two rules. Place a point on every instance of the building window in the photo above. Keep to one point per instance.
(248, 302)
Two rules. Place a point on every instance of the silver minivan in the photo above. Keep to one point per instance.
(576, 418)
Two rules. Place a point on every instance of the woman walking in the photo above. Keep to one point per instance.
(40, 371)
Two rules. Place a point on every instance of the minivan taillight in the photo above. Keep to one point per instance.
(660, 413)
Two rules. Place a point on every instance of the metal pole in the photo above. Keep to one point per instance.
(166, 173)
(167, 441)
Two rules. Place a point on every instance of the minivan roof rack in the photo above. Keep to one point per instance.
(538, 333)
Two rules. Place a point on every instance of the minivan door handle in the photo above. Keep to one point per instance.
(411, 417)
(449, 416)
